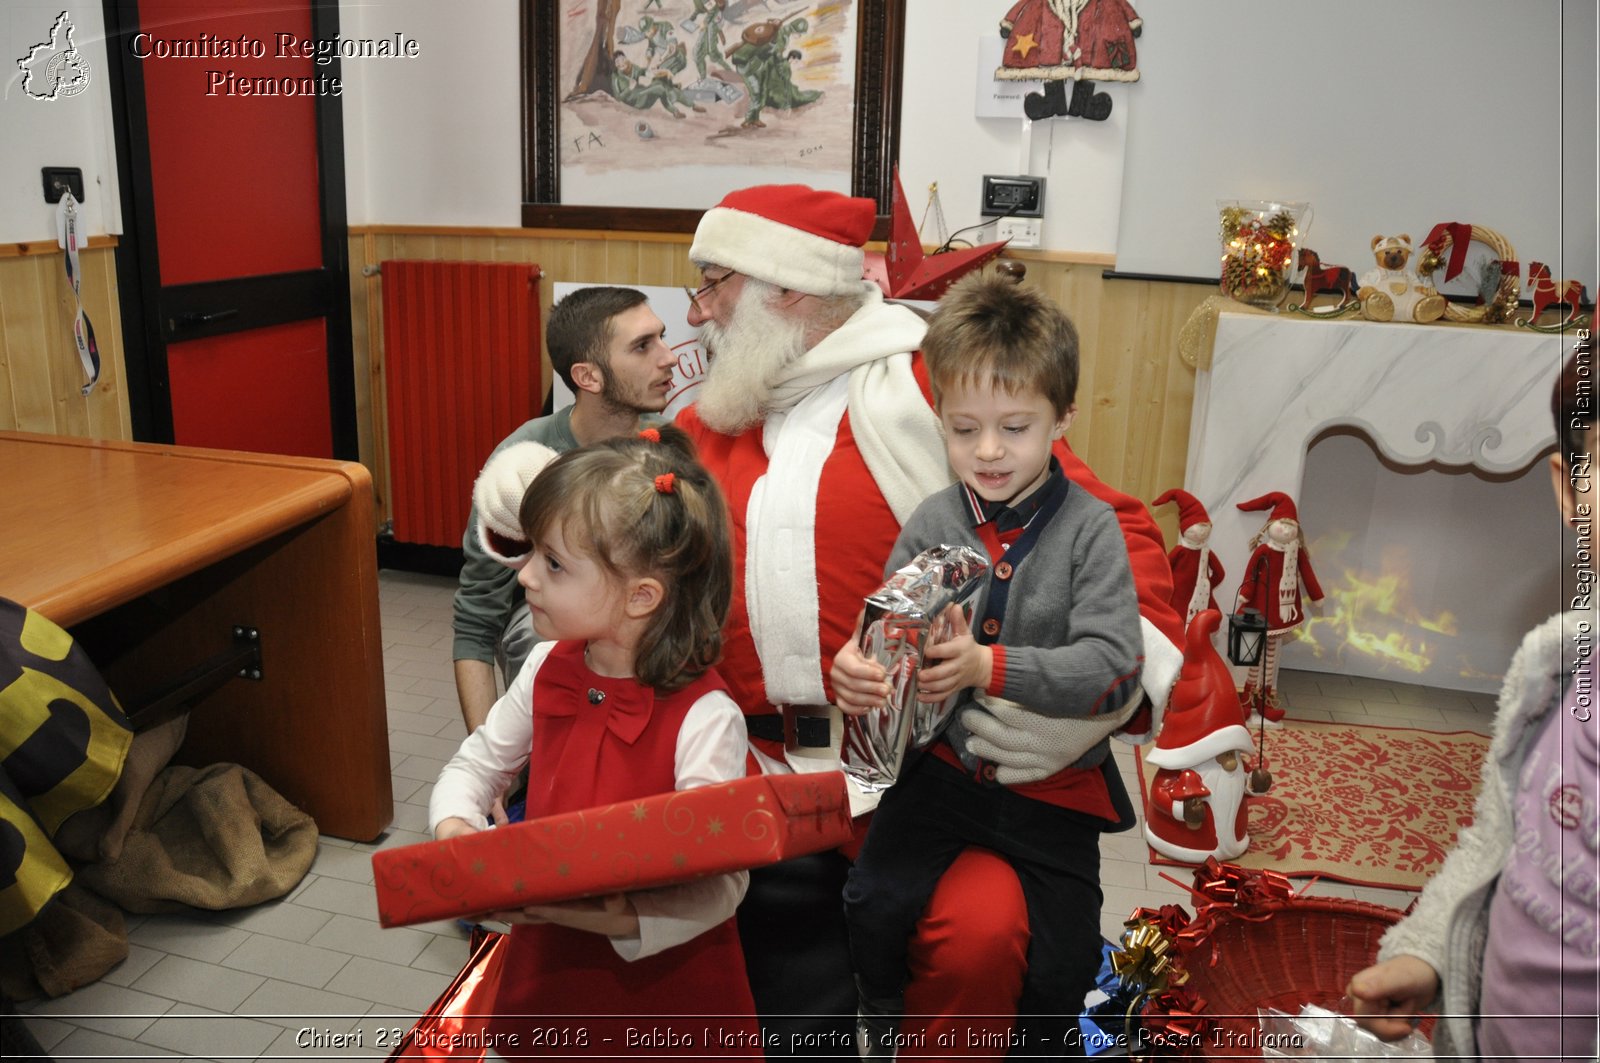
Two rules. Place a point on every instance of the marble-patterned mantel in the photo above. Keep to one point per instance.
(1452, 394)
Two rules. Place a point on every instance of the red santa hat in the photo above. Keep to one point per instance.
(1203, 715)
(1190, 511)
(1282, 506)
(794, 236)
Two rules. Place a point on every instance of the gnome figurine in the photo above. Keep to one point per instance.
(1196, 572)
(1272, 580)
(1195, 808)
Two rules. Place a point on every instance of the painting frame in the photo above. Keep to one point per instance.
(875, 144)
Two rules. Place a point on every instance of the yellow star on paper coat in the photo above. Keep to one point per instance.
(1025, 44)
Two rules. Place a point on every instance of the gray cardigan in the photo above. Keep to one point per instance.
(1071, 626)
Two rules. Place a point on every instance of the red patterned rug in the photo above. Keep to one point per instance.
(1371, 806)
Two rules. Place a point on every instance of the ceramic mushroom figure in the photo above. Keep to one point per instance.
(1195, 808)
(1196, 571)
(1273, 577)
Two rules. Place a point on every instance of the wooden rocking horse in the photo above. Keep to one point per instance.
(1320, 278)
(1547, 293)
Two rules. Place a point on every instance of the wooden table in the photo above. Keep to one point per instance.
(151, 555)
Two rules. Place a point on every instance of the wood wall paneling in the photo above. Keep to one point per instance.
(1134, 393)
(40, 378)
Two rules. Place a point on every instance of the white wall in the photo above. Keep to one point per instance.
(67, 131)
(435, 140)
(1388, 117)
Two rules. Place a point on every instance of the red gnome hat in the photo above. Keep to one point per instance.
(1282, 506)
(1203, 716)
(1190, 511)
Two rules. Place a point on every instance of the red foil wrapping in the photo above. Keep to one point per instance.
(654, 841)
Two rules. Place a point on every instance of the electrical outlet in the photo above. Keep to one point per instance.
(1022, 232)
(1018, 197)
(58, 179)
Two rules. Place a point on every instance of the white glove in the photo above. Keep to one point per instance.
(1027, 746)
(497, 498)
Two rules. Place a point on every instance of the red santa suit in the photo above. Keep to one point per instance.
(1196, 571)
(594, 740)
(849, 447)
(1273, 577)
(1195, 807)
(1065, 40)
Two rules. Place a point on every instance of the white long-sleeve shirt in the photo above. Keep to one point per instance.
(711, 748)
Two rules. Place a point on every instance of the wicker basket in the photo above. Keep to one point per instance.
(1303, 952)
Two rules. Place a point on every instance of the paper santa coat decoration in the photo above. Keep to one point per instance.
(904, 272)
(1195, 805)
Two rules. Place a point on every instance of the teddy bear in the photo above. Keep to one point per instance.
(1393, 292)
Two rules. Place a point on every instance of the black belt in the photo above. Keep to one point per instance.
(811, 732)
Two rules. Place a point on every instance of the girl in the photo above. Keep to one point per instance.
(630, 576)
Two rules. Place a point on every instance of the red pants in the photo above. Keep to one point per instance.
(967, 959)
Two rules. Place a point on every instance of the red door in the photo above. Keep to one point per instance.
(244, 276)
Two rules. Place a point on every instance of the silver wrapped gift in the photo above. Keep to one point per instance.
(903, 618)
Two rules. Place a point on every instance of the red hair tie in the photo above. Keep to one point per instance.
(650, 435)
(665, 481)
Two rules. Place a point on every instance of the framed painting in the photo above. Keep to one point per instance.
(640, 114)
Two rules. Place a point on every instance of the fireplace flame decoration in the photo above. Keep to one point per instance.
(1375, 616)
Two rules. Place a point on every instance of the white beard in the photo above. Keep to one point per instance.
(1227, 794)
(745, 360)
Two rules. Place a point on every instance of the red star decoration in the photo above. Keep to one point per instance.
(905, 272)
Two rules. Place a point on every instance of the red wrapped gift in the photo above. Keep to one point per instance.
(631, 845)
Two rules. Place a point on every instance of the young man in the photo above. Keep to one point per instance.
(606, 345)
(1055, 632)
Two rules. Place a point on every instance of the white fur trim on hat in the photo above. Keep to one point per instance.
(1232, 737)
(497, 500)
(776, 253)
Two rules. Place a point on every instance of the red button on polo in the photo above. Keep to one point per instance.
(991, 626)
(1002, 570)
(988, 771)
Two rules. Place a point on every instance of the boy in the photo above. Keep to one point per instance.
(1054, 641)
(1504, 937)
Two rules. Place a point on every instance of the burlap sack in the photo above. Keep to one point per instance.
(215, 837)
(73, 941)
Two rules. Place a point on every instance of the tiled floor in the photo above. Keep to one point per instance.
(314, 977)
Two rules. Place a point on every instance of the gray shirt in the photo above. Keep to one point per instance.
(488, 592)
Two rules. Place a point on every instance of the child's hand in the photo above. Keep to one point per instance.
(962, 662)
(449, 828)
(1388, 996)
(612, 915)
(859, 683)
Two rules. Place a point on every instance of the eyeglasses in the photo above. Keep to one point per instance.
(695, 294)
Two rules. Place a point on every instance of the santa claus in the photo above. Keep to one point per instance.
(1196, 806)
(1196, 571)
(816, 419)
(1066, 40)
(1271, 586)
